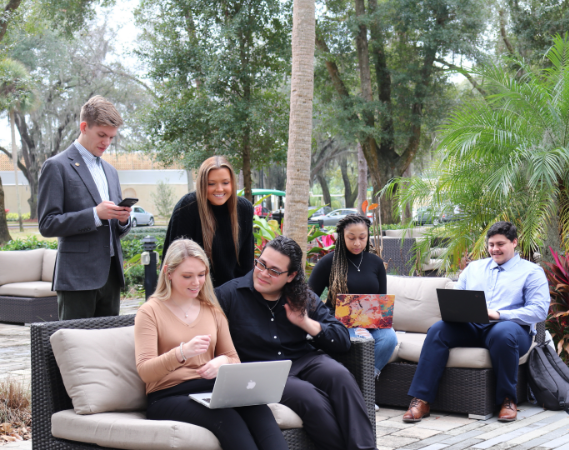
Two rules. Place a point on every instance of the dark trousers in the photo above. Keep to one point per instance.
(245, 428)
(327, 398)
(101, 302)
(506, 341)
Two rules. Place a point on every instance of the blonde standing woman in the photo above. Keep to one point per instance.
(218, 220)
(181, 339)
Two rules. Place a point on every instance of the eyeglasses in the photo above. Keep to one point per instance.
(260, 266)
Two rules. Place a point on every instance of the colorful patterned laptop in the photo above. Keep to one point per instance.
(365, 310)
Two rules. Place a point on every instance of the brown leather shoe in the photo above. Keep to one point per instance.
(508, 412)
(417, 410)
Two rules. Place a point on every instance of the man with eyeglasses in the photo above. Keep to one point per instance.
(270, 312)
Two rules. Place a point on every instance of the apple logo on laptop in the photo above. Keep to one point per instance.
(251, 384)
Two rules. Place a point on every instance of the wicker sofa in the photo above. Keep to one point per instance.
(25, 286)
(468, 384)
(51, 401)
(398, 251)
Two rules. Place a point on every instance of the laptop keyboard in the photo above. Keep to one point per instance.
(207, 400)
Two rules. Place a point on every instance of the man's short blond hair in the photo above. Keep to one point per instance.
(99, 111)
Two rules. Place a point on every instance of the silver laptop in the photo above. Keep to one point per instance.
(246, 384)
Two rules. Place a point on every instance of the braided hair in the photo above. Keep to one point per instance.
(338, 283)
(296, 292)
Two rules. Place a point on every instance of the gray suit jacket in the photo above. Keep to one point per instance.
(66, 197)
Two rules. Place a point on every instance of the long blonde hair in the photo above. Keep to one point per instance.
(178, 252)
(207, 218)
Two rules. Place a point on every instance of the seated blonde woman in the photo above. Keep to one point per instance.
(182, 338)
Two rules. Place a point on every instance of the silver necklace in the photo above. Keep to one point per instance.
(358, 266)
(273, 308)
(183, 312)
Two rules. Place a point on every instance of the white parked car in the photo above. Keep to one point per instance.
(139, 216)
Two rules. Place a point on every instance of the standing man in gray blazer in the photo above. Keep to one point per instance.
(77, 203)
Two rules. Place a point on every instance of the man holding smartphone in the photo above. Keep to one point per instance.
(78, 202)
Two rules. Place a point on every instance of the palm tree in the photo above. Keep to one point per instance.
(16, 94)
(300, 125)
(504, 156)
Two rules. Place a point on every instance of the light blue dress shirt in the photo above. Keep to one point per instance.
(95, 167)
(517, 289)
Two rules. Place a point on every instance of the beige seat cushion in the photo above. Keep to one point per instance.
(433, 264)
(28, 289)
(450, 285)
(48, 265)
(286, 418)
(98, 368)
(398, 233)
(465, 357)
(20, 266)
(131, 430)
(395, 355)
(437, 252)
(416, 306)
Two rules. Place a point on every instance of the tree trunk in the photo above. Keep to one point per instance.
(362, 178)
(247, 168)
(408, 211)
(300, 125)
(189, 174)
(349, 196)
(240, 182)
(326, 198)
(15, 159)
(4, 232)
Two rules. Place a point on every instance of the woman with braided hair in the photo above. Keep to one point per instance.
(352, 269)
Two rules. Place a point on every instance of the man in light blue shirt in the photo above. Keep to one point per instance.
(517, 296)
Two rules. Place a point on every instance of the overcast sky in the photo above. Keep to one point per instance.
(121, 19)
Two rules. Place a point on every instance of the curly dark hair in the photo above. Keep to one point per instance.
(339, 274)
(296, 292)
(508, 229)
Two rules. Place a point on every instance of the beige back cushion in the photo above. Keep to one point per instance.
(398, 233)
(416, 306)
(48, 265)
(21, 266)
(406, 233)
(98, 368)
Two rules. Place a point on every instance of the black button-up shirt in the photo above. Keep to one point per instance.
(258, 336)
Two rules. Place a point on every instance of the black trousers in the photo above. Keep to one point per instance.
(101, 302)
(245, 428)
(327, 398)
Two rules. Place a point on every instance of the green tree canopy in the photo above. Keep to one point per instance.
(218, 67)
(383, 66)
(504, 156)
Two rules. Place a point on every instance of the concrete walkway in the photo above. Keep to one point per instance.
(535, 428)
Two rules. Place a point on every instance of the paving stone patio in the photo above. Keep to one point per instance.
(535, 428)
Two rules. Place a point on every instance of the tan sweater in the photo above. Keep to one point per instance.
(158, 333)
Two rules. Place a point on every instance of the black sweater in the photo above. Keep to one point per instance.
(185, 223)
(372, 278)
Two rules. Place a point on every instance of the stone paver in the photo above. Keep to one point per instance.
(416, 432)
(545, 430)
(535, 428)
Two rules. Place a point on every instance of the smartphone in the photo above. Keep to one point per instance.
(128, 202)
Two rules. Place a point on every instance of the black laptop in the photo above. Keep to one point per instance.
(463, 306)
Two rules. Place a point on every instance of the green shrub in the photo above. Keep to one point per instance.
(141, 232)
(133, 269)
(29, 243)
(13, 217)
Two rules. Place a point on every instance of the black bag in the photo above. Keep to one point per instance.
(548, 379)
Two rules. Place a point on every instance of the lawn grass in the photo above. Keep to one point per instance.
(17, 234)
